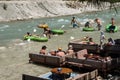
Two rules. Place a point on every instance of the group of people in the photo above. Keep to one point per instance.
(58, 52)
(74, 23)
(89, 40)
(47, 31)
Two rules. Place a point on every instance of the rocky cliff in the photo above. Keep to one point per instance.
(20, 10)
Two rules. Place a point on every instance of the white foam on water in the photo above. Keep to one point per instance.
(53, 19)
(19, 29)
(28, 26)
(113, 14)
(2, 48)
(67, 20)
(72, 38)
(2, 30)
(34, 30)
(20, 44)
(60, 20)
(5, 26)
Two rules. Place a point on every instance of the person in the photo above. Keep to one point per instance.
(52, 53)
(47, 30)
(102, 38)
(91, 41)
(70, 50)
(43, 50)
(60, 52)
(99, 24)
(111, 41)
(87, 24)
(112, 21)
(84, 40)
(112, 27)
(28, 34)
(74, 22)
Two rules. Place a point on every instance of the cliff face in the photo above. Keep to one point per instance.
(20, 10)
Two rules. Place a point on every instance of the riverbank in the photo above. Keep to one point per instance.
(22, 10)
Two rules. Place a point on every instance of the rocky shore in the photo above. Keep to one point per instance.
(29, 9)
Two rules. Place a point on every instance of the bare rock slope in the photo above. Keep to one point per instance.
(20, 10)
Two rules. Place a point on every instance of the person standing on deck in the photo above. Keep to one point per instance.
(74, 22)
(99, 24)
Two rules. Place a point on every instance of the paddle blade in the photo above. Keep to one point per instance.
(72, 38)
(34, 30)
(28, 40)
(62, 26)
(44, 35)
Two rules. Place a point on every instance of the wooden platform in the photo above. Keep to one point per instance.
(111, 50)
(48, 59)
(74, 76)
(77, 45)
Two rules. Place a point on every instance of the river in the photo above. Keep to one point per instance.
(14, 50)
(16, 29)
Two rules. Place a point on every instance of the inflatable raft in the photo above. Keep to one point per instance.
(36, 38)
(57, 31)
(108, 28)
(88, 29)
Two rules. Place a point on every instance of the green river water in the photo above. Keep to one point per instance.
(14, 50)
(16, 29)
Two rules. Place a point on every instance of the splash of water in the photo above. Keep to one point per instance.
(5, 26)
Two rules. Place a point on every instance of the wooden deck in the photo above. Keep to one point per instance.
(80, 76)
(92, 48)
(48, 59)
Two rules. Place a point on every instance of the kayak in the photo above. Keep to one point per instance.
(55, 31)
(88, 29)
(36, 38)
(108, 28)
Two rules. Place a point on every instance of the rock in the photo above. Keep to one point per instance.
(22, 10)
